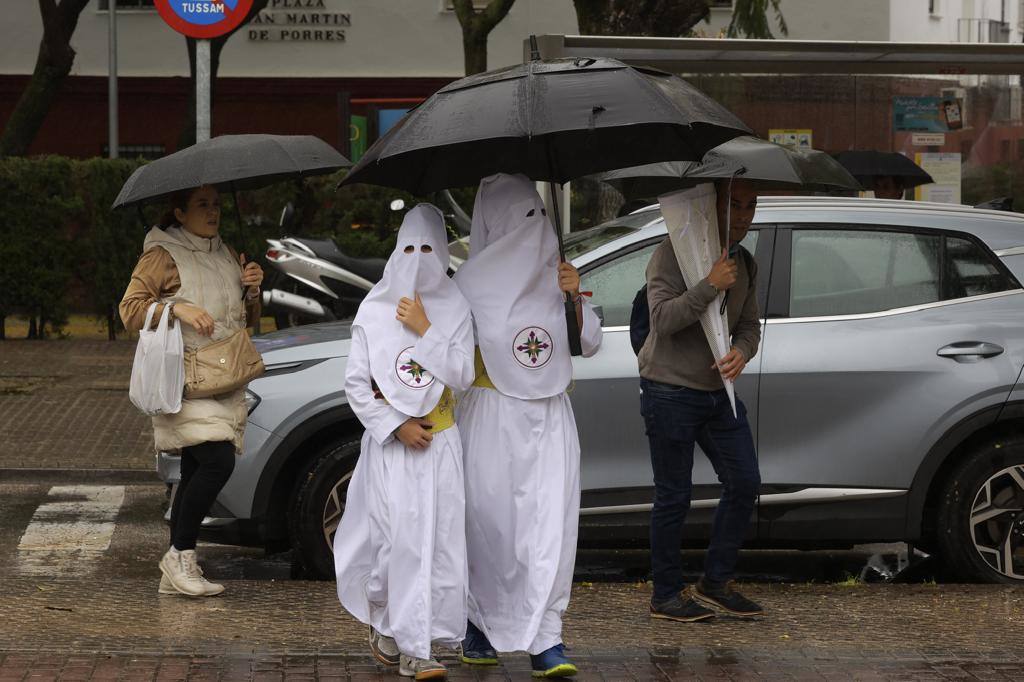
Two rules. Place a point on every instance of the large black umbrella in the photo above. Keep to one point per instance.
(866, 166)
(231, 163)
(767, 165)
(552, 120)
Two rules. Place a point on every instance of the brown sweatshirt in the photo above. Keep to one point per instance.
(677, 352)
(156, 277)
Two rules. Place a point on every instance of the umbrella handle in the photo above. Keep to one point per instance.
(572, 324)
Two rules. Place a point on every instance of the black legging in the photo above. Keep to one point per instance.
(205, 468)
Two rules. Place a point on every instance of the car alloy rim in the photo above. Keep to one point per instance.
(334, 508)
(997, 522)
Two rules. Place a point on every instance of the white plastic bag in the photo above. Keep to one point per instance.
(158, 373)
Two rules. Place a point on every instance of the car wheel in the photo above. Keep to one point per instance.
(981, 519)
(318, 505)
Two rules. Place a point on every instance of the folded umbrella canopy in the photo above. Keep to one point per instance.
(552, 120)
(868, 165)
(767, 165)
(231, 163)
(692, 222)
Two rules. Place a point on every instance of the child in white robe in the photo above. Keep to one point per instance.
(399, 551)
(522, 451)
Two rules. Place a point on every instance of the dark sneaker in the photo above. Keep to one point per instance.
(552, 663)
(476, 648)
(681, 608)
(726, 598)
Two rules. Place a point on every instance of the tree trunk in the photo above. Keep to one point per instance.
(187, 136)
(476, 26)
(3, 327)
(53, 64)
(474, 48)
(33, 330)
(111, 324)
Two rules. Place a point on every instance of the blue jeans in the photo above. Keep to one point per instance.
(675, 418)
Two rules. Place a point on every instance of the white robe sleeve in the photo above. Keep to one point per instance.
(590, 335)
(448, 359)
(377, 416)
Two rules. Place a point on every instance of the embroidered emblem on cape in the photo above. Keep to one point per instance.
(410, 372)
(532, 347)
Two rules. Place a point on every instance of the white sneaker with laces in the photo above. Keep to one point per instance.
(190, 564)
(180, 574)
(166, 587)
(421, 668)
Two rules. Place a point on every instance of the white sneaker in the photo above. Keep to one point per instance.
(384, 648)
(190, 563)
(166, 587)
(183, 573)
(421, 668)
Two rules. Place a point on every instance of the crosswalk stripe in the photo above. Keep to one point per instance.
(70, 530)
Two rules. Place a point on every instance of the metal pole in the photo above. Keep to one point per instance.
(112, 121)
(202, 90)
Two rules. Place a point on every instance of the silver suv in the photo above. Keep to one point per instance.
(885, 400)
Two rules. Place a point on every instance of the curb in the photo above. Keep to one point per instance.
(54, 476)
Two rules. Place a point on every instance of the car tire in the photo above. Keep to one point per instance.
(317, 506)
(981, 514)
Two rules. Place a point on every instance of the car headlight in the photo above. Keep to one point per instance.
(251, 401)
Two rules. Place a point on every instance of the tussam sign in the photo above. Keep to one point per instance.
(203, 18)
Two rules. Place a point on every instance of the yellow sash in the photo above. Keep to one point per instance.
(482, 380)
(443, 414)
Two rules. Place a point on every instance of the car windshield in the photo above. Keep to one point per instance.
(579, 243)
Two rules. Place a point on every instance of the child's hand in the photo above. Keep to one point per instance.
(415, 433)
(412, 315)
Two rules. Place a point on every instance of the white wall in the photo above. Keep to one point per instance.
(822, 19)
(400, 38)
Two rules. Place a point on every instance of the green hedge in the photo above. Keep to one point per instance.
(63, 250)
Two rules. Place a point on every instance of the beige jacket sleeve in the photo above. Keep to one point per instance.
(155, 278)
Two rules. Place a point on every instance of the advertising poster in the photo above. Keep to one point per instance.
(801, 138)
(926, 114)
(945, 169)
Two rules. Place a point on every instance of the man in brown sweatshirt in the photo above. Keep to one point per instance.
(684, 402)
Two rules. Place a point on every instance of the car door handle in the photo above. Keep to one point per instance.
(969, 351)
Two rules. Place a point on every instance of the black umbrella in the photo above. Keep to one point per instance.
(767, 165)
(866, 166)
(552, 120)
(231, 163)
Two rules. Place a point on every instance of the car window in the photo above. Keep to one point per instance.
(972, 272)
(849, 272)
(579, 243)
(750, 242)
(616, 282)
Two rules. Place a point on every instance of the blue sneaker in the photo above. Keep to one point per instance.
(552, 663)
(476, 648)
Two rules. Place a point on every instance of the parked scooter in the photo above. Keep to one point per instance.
(313, 281)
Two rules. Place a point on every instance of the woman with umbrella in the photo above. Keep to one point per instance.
(186, 265)
(216, 294)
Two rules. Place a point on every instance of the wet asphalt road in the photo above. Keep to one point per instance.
(138, 536)
(78, 574)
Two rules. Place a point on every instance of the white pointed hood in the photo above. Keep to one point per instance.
(511, 282)
(409, 387)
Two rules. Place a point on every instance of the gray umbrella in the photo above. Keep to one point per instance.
(768, 165)
(231, 163)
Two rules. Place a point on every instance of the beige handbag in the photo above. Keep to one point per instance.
(222, 366)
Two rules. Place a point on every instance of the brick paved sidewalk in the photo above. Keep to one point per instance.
(64, 405)
(105, 628)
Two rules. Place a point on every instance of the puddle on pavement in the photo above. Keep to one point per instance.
(24, 385)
